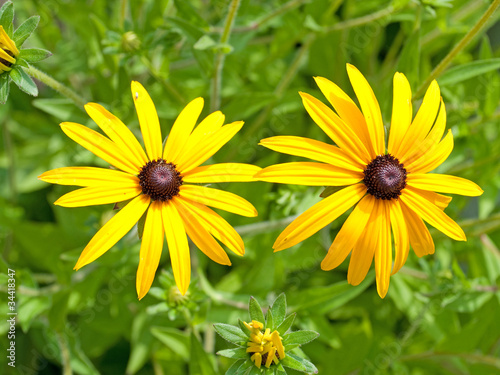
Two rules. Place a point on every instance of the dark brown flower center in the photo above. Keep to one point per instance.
(160, 180)
(385, 177)
(8, 64)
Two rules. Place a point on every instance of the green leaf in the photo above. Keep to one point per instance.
(23, 81)
(58, 311)
(299, 337)
(469, 70)
(173, 339)
(235, 353)
(269, 320)
(287, 323)
(300, 364)
(22, 62)
(4, 88)
(231, 333)
(233, 370)
(199, 362)
(7, 17)
(255, 310)
(409, 60)
(33, 55)
(205, 42)
(244, 367)
(24, 31)
(279, 310)
(243, 327)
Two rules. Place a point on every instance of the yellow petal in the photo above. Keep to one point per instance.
(207, 147)
(420, 238)
(177, 246)
(347, 110)
(95, 195)
(151, 247)
(200, 236)
(275, 337)
(424, 118)
(312, 149)
(336, 129)
(369, 106)
(219, 199)
(100, 146)
(432, 214)
(349, 233)
(116, 130)
(148, 119)
(401, 112)
(4, 68)
(209, 125)
(383, 251)
(319, 216)
(89, 176)
(215, 224)
(400, 232)
(444, 184)
(439, 200)
(9, 43)
(113, 230)
(310, 174)
(223, 172)
(6, 57)
(182, 128)
(434, 157)
(270, 357)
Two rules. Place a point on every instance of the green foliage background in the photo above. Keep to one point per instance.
(441, 313)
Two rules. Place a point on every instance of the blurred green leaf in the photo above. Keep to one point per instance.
(469, 70)
(199, 362)
(174, 339)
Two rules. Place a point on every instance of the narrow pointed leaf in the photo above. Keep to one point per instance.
(32, 55)
(23, 81)
(279, 309)
(231, 333)
(24, 31)
(299, 337)
(235, 353)
(255, 310)
(287, 323)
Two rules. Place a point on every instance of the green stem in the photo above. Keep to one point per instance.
(57, 86)
(65, 356)
(440, 68)
(265, 226)
(361, 20)
(220, 56)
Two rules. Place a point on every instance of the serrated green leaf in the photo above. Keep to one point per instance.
(33, 55)
(235, 353)
(24, 31)
(231, 333)
(269, 320)
(4, 88)
(469, 70)
(7, 17)
(299, 337)
(279, 310)
(287, 323)
(23, 81)
(255, 310)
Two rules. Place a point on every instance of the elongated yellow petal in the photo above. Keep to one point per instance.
(223, 172)
(195, 156)
(420, 238)
(312, 149)
(347, 110)
(95, 195)
(148, 119)
(336, 129)
(420, 148)
(215, 224)
(9, 43)
(370, 107)
(177, 246)
(207, 126)
(219, 199)
(434, 157)
(151, 247)
(116, 130)
(383, 251)
(400, 233)
(310, 174)
(444, 184)
(423, 120)
(432, 214)
(349, 233)
(182, 128)
(201, 237)
(6, 57)
(439, 200)
(319, 216)
(4, 68)
(100, 146)
(89, 176)
(402, 112)
(113, 230)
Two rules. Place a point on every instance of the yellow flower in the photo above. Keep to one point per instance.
(8, 51)
(391, 188)
(267, 347)
(159, 182)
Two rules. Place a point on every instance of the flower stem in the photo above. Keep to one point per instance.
(220, 56)
(66, 359)
(57, 86)
(458, 47)
(361, 20)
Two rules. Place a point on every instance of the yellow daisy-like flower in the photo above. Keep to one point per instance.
(391, 189)
(8, 51)
(266, 347)
(159, 182)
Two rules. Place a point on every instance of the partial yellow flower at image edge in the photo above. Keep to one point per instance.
(159, 182)
(390, 189)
